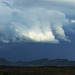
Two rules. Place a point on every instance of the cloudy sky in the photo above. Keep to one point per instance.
(33, 29)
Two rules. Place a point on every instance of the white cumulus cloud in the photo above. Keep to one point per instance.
(32, 24)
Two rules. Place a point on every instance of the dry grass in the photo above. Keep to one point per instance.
(39, 71)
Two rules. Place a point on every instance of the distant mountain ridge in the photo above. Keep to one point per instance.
(41, 62)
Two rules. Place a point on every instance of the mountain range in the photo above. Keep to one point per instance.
(36, 63)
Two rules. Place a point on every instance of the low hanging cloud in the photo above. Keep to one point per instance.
(35, 24)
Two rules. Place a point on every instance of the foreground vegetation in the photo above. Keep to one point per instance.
(39, 71)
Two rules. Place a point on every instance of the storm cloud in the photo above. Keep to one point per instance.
(34, 20)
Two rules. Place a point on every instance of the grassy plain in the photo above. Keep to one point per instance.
(38, 71)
